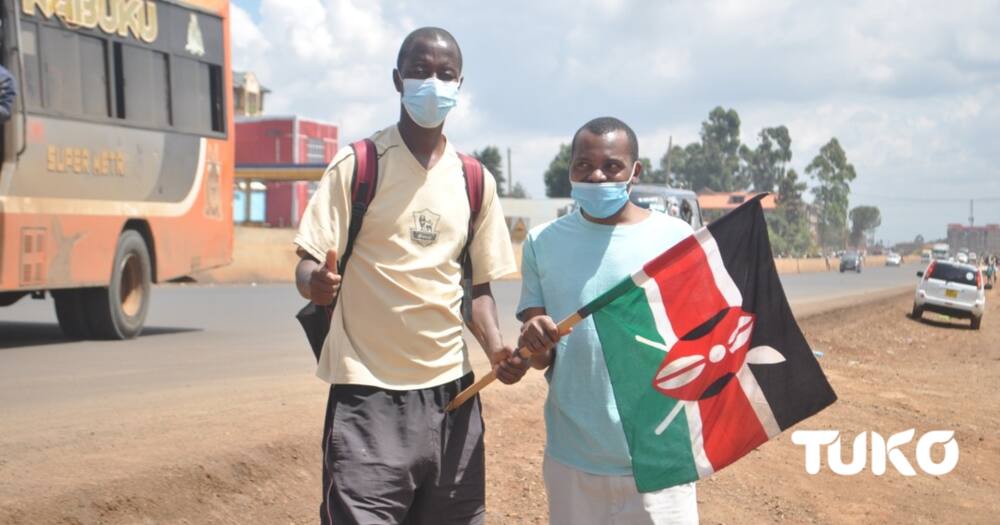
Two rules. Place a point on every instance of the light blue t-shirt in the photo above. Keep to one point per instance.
(567, 263)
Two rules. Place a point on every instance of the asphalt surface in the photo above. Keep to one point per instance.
(199, 336)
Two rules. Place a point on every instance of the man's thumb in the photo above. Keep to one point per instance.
(331, 260)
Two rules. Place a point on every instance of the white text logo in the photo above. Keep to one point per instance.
(883, 451)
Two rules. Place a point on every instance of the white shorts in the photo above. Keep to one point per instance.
(579, 498)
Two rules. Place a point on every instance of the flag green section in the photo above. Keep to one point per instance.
(658, 461)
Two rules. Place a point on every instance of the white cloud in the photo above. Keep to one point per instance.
(909, 88)
(249, 44)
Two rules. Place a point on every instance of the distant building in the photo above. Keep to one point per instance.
(282, 140)
(248, 95)
(979, 239)
(716, 204)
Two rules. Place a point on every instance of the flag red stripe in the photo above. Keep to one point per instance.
(687, 285)
(730, 427)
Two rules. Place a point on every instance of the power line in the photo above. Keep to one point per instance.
(925, 199)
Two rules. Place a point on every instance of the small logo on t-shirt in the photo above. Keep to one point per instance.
(424, 231)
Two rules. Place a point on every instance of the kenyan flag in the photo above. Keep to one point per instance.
(705, 358)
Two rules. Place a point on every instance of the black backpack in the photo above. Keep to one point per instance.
(315, 319)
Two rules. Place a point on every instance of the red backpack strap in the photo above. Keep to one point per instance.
(365, 176)
(472, 169)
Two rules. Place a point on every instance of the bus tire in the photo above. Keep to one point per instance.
(119, 310)
(72, 313)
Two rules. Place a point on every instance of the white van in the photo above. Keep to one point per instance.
(672, 201)
(952, 289)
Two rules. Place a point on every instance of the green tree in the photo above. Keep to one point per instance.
(764, 166)
(673, 160)
(491, 159)
(833, 175)
(789, 223)
(713, 163)
(864, 221)
(790, 192)
(557, 176)
(648, 175)
(519, 192)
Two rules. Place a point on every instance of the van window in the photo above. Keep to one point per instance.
(953, 274)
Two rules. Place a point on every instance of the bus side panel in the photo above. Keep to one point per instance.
(44, 251)
(203, 237)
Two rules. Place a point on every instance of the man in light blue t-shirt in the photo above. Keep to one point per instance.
(566, 263)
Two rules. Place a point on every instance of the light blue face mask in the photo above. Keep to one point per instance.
(429, 100)
(600, 199)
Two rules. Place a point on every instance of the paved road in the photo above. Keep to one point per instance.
(205, 335)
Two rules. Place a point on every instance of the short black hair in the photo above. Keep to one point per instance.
(605, 125)
(426, 33)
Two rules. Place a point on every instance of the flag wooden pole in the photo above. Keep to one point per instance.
(523, 352)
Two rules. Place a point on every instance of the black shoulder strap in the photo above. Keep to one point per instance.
(315, 319)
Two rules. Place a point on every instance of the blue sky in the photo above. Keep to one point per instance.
(911, 89)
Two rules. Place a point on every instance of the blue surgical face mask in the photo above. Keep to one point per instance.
(600, 199)
(428, 101)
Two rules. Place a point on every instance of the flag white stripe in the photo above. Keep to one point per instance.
(758, 402)
(656, 307)
(701, 462)
(722, 278)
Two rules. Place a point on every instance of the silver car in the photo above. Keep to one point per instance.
(952, 289)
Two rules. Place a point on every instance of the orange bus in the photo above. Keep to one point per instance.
(118, 156)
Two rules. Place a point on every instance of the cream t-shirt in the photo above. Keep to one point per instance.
(398, 324)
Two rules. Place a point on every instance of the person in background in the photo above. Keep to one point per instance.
(8, 92)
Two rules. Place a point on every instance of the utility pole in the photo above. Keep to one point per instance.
(972, 215)
(670, 146)
(510, 174)
(247, 193)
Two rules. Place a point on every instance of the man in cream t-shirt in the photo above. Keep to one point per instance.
(395, 356)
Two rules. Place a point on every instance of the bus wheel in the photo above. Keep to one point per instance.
(119, 311)
(72, 313)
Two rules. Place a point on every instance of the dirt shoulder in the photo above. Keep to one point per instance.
(248, 451)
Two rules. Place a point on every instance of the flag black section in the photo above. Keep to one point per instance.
(797, 388)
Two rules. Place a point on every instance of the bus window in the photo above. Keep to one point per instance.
(191, 89)
(216, 99)
(145, 96)
(61, 69)
(32, 78)
(75, 70)
(94, 76)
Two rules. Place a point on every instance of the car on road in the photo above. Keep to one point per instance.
(893, 259)
(679, 203)
(925, 256)
(962, 258)
(952, 289)
(850, 261)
